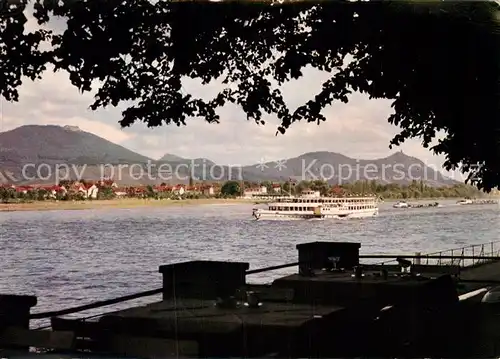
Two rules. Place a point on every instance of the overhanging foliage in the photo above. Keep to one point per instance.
(438, 62)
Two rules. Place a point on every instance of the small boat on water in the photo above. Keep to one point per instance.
(477, 201)
(404, 204)
(312, 206)
(434, 204)
(401, 204)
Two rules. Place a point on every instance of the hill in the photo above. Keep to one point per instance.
(39, 149)
(66, 144)
(37, 153)
(336, 168)
(170, 157)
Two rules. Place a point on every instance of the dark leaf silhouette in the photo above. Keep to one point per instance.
(438, 62)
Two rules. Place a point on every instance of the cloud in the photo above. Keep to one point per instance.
(358, 129)
(53, 100)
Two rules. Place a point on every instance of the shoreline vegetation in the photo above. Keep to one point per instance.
(105, 194)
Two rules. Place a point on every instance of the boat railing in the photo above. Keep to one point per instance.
(467, 256)
(126, 298)
(470, 255)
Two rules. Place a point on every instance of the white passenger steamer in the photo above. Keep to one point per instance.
(311, 205)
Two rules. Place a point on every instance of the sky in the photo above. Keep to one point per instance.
(358, 129)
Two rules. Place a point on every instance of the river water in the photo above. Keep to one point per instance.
(69, 258)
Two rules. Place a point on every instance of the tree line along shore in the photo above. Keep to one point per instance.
(109, 190)
(391, 191)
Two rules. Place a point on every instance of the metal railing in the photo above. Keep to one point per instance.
(467, 256)
(464, 257)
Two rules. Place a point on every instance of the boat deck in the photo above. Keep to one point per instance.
(293, 325)
(234, 331)
(345, 289)
(487, 272)
(314, 313)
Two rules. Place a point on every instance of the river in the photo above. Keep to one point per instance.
(69, 258)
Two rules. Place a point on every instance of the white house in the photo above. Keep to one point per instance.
(88, 191)
(52, 191)
(120, 191)
(92, 191)
(208, 190)
(178, 189)
(257, 191)
(276, 188)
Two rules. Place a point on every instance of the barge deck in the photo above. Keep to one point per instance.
(400, 307)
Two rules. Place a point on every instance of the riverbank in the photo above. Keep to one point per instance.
(115, 203)
(125, 203)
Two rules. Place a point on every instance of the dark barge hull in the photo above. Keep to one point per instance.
(318, 312)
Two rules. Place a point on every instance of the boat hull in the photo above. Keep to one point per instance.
(265, 215)
(312, 206)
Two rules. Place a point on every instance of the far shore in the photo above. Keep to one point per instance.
(115, 203)
(436, 199)
(127, 203)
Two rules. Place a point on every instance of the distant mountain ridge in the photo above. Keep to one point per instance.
(68, 152)
(337, 168)
(170, 157)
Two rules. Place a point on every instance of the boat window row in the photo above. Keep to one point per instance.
(366, 206)
(278, 208)
(299, 209)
